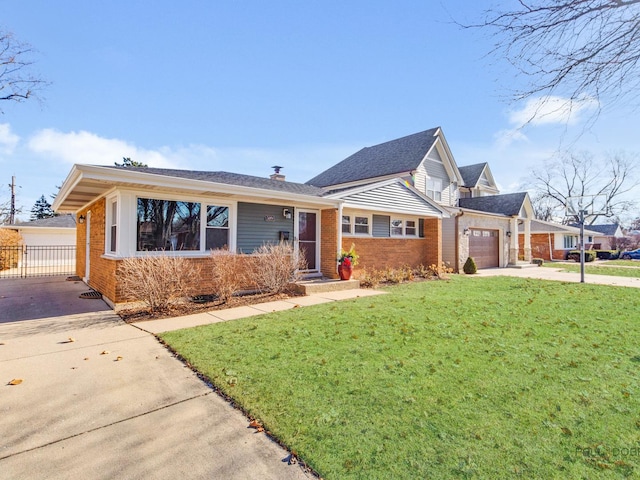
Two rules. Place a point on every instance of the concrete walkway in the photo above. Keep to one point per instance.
(99, 398)
(549, 273)
(215, 316)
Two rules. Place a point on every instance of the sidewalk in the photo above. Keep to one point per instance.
(548, 273)
(215, 316)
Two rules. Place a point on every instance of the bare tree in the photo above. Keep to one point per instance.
(573, 175)
(16, 81)
(576, 49)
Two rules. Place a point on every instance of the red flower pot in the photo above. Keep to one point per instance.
(345, 271)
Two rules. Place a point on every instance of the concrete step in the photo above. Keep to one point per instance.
(523, 265)
(307, 287)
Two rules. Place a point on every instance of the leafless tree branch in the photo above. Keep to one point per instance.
(17, 83)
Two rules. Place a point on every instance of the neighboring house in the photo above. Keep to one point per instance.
(552, 241)
(605, 238)
(132, 211)
(53, 240)
(424, 161)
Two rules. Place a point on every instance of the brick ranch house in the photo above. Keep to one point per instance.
(131, 211)
(553, 241)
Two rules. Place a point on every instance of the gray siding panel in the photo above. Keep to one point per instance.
(381, 226)
(254, 230)
(449, 241)
(393, 196)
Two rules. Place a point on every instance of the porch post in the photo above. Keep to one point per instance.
(513, 241)
(527, 240)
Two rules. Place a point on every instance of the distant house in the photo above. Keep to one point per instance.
(553, 241)
(605, 238)
(60, 230)
(481, 223)
(48, 244)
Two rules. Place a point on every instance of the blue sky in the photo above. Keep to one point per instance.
(241, 86)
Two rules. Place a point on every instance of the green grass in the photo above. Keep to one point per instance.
(489, 377)
(621, 268)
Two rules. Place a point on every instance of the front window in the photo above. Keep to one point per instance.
(113, 226)
(168, 225)
(569, 241)
(434, 189)
(346, 224)
(410, 228)
(396, 227)
(361, 225)
(217, 235)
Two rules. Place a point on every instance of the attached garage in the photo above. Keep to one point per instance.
(484, 247)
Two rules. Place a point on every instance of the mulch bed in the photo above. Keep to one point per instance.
(141, 314)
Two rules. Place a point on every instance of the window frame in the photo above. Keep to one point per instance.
(404, 227)
(112, 225)
(353, 224)
(205, 222)
(435, 192)
(572, 243)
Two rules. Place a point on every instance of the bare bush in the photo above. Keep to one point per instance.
(229, 273)
(159, 280)
(274, 267)
(10, 241)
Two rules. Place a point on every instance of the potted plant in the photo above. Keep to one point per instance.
(346, 261)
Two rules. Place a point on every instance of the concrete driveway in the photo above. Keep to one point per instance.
(103, 399)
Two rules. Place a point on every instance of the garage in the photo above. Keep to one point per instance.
(484, 247)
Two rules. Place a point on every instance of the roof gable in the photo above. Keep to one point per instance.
(390, 158)
(59, 221)
(607, 230)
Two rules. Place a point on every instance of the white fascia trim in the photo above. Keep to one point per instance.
(413, 213)
(450, 165)
(68, 185)
(362, 183)
(107, 174)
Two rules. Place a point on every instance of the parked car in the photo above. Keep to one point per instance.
(631, 255)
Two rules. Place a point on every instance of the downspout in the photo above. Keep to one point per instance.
(550, 247)
(339, 227)
(457, 241)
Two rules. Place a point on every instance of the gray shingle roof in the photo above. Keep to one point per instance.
(471, 174)
(608, 230)
(228, 178)
(393, 157)
(61, 221)
(508, 204)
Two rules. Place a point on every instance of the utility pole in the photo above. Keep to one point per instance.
(12, 212)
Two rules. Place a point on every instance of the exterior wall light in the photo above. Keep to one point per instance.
(286, 213)
(466, 232)
(508, 233)
(81, 219)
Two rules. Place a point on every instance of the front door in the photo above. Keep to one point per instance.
(308, 238)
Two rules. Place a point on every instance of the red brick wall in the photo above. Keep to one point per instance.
(380, 253)
(540, 246)
(329, 243)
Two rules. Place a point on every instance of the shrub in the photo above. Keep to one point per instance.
(537, 261)
(470, 266)
(370, 279)
(274, 267)
(229, 272)
(158, 280)
(607, 254)
(589, 255)
(10, 240)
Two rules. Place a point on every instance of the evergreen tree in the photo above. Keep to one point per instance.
(42, 209)
(127, 162)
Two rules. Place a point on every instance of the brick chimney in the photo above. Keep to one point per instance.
(277, 175)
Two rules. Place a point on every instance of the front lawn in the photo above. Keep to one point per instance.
(621, 268)
(490, 377)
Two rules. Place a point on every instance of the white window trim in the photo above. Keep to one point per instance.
(109, 222)
(404, 220)
(127, 240)
(433, 181)
(352, 217)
